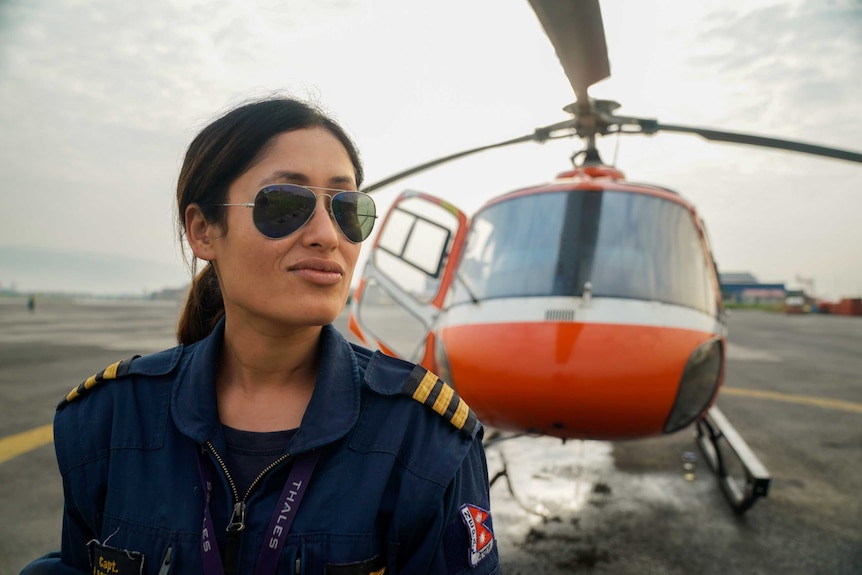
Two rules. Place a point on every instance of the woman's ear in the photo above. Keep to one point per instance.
(200, 233)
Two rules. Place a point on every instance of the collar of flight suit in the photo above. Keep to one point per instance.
(331, 413)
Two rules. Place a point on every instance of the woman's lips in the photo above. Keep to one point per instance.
(321, 272)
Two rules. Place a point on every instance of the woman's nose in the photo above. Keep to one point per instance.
(322, 228)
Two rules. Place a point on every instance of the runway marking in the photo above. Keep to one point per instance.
(740, 353)
(20, 443)
(839, 404)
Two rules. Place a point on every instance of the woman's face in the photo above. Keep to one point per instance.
(302, 279)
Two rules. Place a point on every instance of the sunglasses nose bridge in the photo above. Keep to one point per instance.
(327, 206)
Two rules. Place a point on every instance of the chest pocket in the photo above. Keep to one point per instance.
(340, 554)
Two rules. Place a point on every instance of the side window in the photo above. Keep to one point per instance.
(413, 246)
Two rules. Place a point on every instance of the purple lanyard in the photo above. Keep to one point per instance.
(276, 534)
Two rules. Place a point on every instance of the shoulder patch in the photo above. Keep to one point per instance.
(113, 371)
(426, 388)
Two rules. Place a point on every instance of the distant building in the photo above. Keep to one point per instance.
(177, 294)
(743, 287)
(742, 278)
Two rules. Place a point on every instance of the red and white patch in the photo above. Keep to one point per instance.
(481, 537)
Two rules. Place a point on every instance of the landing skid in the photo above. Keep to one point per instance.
(741, 495)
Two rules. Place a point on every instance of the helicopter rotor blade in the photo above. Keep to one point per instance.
(651, 126)
(575, 29)
(553, 131)
(538, 135)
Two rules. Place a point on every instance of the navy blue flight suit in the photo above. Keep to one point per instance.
(401, 482)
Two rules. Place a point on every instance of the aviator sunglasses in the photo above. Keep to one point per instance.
(281, 209)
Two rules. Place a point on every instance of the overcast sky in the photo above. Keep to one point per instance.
(99, 99)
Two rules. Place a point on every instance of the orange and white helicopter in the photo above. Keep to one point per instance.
(588, 307)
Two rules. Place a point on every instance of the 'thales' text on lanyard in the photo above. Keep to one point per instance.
(285, 512)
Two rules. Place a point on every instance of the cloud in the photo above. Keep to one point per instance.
(99, 99)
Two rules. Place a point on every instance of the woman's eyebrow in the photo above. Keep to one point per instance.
(300, 178)
(342, 183)
(284, 176)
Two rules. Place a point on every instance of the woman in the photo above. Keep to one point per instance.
(264, 442)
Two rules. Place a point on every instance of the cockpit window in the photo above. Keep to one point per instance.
(621, 244)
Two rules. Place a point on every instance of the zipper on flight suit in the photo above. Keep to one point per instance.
(236, 523)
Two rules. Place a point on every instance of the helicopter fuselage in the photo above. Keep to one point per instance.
(585, 308)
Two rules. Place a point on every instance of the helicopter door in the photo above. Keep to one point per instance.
(407, 276)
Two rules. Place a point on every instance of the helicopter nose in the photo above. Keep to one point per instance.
(576, 380)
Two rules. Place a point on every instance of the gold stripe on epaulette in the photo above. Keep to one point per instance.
(426, 388)
(442, 403)
(92, 380)
(461, 413)
(109, 372)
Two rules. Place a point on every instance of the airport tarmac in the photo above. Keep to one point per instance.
(793, 391)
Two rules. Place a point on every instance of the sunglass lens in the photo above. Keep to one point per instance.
(281, 210)
(355, 213)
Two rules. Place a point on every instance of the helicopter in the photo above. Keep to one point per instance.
(587, 307)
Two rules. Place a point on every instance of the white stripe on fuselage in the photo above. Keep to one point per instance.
(598, 310)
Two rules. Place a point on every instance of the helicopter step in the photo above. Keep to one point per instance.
(710, 431)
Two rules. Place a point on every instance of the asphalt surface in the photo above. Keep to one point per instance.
(793, 391)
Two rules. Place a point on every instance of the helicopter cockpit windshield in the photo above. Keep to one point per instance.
(623, 245)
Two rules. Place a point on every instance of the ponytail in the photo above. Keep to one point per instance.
(204, 307)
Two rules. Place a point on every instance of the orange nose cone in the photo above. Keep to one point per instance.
(570, 380)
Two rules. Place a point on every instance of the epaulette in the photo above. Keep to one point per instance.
(113, 371)
(426, 388)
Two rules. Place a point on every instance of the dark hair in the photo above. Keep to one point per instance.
(217, 156)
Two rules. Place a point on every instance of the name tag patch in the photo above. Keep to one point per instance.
(112, 561)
